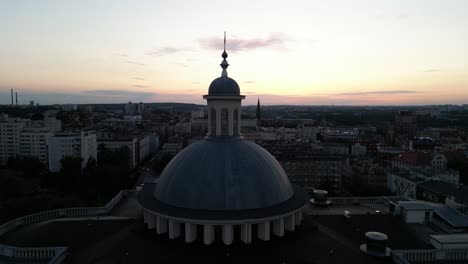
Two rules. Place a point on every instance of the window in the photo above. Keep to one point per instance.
(224, 122)
(236, 122)
(213, 121)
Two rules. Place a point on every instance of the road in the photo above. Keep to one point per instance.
(146, 172)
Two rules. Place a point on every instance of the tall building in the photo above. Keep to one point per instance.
(34, 143)
(131, 144)
(139, 147)
(134, 109)
(405, 126)
(223, 182)
(10, 129)
(71, 144)
(130, 108)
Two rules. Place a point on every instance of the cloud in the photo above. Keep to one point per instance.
(117, 93)
(401, 16)
(141, 86)
(138, 79)
(377, 93)
(163, 51)
(247, 82)
(181, 64)
(274, 40)
(134, 63)
(432, 70)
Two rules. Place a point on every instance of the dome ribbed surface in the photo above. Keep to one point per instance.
(223, 173)
(224, 86)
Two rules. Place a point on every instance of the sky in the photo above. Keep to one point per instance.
(284, 52)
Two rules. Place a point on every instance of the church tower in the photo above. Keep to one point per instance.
(259, 113)
(223, 182)
(224, 103)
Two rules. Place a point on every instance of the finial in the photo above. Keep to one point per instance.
(224, 64)
(225, 55)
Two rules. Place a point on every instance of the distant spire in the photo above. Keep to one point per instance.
(259, 113)
(224, 64)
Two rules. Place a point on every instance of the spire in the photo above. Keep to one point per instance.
(259, 115)
(224, 64)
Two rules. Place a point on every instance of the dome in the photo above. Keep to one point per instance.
(223, 173)
(224, 86)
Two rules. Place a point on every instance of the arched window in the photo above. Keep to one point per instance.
(224, 122)
(236, 122)
(213, 122)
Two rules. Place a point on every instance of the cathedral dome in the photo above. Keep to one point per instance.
(224, 86)
(223, 173)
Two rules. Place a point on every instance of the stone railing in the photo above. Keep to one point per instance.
(59, 213)
(55, 255)
(428, 256)
(34, 253)
(359, 200)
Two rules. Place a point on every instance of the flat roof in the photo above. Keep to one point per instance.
(440, 187)
(451, 216)
(125, 241)
(451, 239)
(416, 206)
(401, 236)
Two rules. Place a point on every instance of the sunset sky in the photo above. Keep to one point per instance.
(285, 52)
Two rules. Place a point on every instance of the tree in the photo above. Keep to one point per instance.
(69, 177)
(112, 170)
(462, 167)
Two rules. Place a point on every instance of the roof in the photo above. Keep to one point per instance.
(223, 173)
(415, 158)
(450, 239)
(401, 236)
(451, 216)
(408, 175)
(376, 236)
(440, 187)
(224, 86)
(97, 241)
(454, 155)
(416, 206)
(149, 202)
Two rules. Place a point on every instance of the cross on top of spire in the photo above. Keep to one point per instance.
(224, 64)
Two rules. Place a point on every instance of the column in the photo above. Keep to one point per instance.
(151, 220)
(278, 227)
(289, 222)
(297, 217)
(264, 231)
(246, 233)
(190, 232)
(161, 225)
(208, 234)
(174, 229)
(227, 234)
(145, 216)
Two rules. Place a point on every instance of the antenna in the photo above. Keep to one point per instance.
(224, 40)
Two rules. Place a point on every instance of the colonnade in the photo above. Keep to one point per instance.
(264, 228)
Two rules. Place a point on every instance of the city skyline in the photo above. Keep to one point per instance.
(307, 52)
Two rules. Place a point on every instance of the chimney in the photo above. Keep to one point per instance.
(16, 95)
(11, 96)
